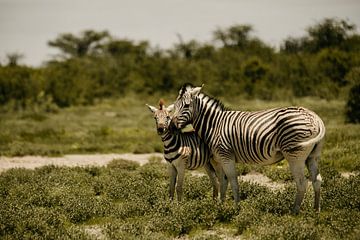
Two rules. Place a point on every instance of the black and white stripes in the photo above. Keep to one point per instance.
(262, 137)
(183, 151)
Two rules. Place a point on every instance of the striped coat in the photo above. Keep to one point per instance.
(263, 137)
(183, 151)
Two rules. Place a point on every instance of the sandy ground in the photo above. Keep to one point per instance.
(32, 162)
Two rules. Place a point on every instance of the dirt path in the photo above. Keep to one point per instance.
(32, 162)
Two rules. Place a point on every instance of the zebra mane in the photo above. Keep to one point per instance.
(218, 102)
(184, 88)
(161, 104)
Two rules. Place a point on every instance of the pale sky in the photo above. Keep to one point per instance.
(27, 25)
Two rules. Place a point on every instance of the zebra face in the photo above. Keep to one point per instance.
(183, 106)
(162, 117)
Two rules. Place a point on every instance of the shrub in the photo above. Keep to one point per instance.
(250, 190)
(247, 216)
(277, 173)
(132, 229)
(121, 164)
(338, 223)
(285, 227)
(196, 188)
(353, 105)
(277, 203)
(28, 222)
(342, 193)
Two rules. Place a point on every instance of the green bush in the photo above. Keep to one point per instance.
(20, 84)
(277, 203)
(353, 105)
(277, 173)
(128, 201)
(285, 227)
(121, 164)
(132, 229)
(248, 216)
(196, 187)
(342, 193)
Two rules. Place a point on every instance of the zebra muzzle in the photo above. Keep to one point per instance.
(161, 130)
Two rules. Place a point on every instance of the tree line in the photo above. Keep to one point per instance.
(92, 65)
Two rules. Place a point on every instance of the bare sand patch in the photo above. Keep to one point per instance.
(73, 160)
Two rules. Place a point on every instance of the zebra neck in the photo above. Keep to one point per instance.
(167, 137)
(207, 112)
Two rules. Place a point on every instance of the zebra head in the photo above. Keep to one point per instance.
(183, 106)
(161, 116)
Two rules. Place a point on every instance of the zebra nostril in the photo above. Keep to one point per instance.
(160, 130)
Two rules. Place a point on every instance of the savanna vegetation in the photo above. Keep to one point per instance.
(95, 65)
(126, 201)
(91, 99)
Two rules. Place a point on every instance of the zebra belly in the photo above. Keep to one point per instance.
(192, 158)
(275, 156)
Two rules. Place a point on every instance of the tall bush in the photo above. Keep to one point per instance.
(353, 105)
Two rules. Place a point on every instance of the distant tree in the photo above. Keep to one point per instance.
(205, 51)
(186, 50)
(334, 64)
(124, 47)
(328, 33)
(239, 38)
(234, 36)
(221, 36)
(13, 59)
(353, 105)
(254, 72)
(352, 43)
(79, 46)
(292, 45)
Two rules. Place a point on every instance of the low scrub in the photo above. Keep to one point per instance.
(128, 201)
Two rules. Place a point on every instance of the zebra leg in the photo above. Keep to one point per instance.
(223, 185)
(180, 180)
(297, 169)
(312, 166)
(213, 179)
(173, 175)
(230, 172)
(222, 180)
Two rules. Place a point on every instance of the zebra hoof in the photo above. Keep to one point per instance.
(295, 211)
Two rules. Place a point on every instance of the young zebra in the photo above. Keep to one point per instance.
(183, 151)
(262, 137)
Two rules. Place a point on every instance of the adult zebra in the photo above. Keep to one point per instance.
(183, 151)
(262, 137)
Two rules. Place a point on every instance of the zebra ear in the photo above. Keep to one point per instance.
(152, 109)
(170, 108)
(196, 90)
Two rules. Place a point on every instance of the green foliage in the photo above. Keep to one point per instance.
(128, 201)
(353, 105)
(342, 193)
(124, 202)
(334, 64)
(121, 164)
(20, 83)
(328, 33)
(79, 46)
(97, 66)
